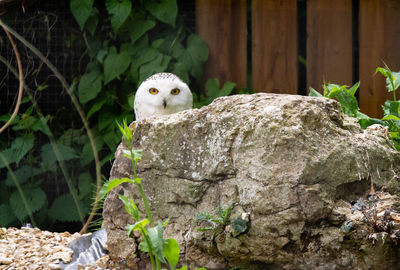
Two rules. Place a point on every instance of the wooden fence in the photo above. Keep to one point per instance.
(346, 41)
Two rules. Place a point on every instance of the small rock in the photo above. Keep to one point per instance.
(5, 261)
(54, 266)
(65, 256)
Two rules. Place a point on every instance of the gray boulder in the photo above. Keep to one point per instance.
(288, 165)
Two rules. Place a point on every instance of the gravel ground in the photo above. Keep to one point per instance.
(33, 249)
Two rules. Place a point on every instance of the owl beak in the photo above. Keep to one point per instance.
(164, 103)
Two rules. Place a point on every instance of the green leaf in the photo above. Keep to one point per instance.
(21, 174)
(177, 50)
(84, 184)
(165, 10)
(197, 52)
(392, 108)
(106, 120)
(112, 139)
(126, 132)
(130, 207)
(157, 241)
(139, 27)
(159, 64)
(213, 91)
(227, 88)
(64, 152)
(92, 22)
(96, 107)
(349, 103)
(179, 69)
(64, 209)
(239, 225)
(202, 216)
(21, 145)
(81, 9)
(396, 82)
(7, 216)
(87, 152)
(109, 185)
(35, 124)
(171, 252)
(101, 54)
(354, 88)
(140, 225)
(89, 85)
(185, 268)
(392, 78)
(35, 198)
(314, 93)
(145, 55)
(144, 247)
(5, 117)
(115, 64)
(391, 117)
(119, 11)
(9, 156)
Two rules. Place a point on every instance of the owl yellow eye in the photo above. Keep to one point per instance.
(153, 91)
(175, 91)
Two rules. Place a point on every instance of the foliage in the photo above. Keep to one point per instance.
(213, 91)
(160, 250)
(123, 42)
(23, 195)
(217, 223)
(349, 103)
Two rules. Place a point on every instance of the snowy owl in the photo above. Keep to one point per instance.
(162, 93)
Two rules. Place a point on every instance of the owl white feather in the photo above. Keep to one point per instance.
(160, 94)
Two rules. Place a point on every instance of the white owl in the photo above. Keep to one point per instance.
(160, 94)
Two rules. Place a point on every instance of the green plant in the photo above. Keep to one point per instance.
(160, 250)
(219, 222)
(391, 108)
(350, 107)
(213, 91)
(25, 195)
(122, 44)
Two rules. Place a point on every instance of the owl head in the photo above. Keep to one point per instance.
(160, 94)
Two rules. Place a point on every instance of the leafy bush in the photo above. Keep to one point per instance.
(123, 43)
(349, 103)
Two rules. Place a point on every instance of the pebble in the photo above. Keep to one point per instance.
(33, 249)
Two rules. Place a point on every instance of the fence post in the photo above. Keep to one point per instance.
(379, 42)
(274, 46)
(222, 24)
(329, 42)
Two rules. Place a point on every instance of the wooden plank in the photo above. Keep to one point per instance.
(274, 46)
(329, 42)
(222, 24)
(379, 39)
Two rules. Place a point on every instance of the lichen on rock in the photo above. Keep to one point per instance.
(289, 161)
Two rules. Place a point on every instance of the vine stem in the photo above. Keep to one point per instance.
(21, 192)
(145, 202)
(146, 238)
(21, 81)
(80, 112)
(52, 141)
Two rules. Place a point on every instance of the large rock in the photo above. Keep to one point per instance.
(289, 165)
